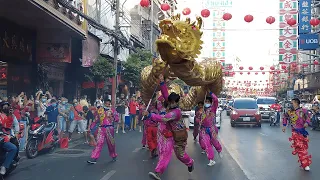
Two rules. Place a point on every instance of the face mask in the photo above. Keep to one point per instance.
(207, 105)
(64, 102)
(43, 100)
(54, 104)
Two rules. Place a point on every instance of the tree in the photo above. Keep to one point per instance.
(101, 70)
(135, 64)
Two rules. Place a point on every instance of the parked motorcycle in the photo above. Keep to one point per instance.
(3, 154)
(42, 136)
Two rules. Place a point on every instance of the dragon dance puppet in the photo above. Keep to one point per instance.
(179, 45)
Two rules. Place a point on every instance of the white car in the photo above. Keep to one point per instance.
(188, 116)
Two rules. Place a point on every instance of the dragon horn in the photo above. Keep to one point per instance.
(188, 20)
(199, 20)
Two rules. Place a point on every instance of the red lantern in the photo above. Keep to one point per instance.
(248, 18)
(263, 72)
(144, 3)
(314, 22)
(304, 65)
(205, 13)
(227, 16)
(286, 71)
(186, 11)
(248, 73)
(241, 68)
(256, 73)
(250, 68)
(165, 7)
(226, 73)
(272, 68)
(294, 65)
(315, 62)
(241, 73)
(261, 68)
(291, 21)
(270, 20)
(283, 67)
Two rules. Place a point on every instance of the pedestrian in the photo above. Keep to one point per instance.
(208, 129)
(52, 111)
(133, 112)
(63, 116)
(121, 109)
(142, 123)
(197, 118)
(78, 118)
(89, 119)
(152, 130)
(105, 117)
(176, 125)
(299, 119)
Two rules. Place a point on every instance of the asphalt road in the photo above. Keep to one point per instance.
(249, 153)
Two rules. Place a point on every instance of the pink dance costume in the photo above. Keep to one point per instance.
(300, 141)
(174, 123)
(209, 131)
(105, 133)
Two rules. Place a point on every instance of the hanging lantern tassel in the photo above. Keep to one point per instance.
(165, 7)
(248, 18)
(270, 20)
(144, 3)
(314, 22)
(186, 11)
(205, 13)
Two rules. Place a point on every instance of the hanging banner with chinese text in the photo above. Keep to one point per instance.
(304, 16)
(90, 50)
(288, 43)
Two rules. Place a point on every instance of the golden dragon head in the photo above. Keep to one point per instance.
(179, 40)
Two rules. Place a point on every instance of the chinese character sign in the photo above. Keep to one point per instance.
(304, 16)
(288, 43)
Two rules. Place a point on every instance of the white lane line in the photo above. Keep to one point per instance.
(108, 175)
(263, 134)
(136, 150)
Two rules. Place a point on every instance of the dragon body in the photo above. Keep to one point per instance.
(179, 45)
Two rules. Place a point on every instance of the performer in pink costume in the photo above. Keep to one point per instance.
(208, 130)
(299, 119)
(106, 117)
(197, 118)
(176, 125)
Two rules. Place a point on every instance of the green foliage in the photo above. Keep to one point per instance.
(135, 64)
(101, 70)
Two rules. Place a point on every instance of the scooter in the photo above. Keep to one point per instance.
(3, 154)
(316, 122)
(42, 136)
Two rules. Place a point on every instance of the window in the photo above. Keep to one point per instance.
(266, 101)
(245, 104)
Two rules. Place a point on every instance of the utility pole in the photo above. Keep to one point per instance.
(115, 54)
(151, 27)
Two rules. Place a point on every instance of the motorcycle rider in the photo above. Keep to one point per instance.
(316, 114)
(6, 123)
(277, 107)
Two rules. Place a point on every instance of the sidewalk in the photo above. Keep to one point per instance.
(75, 137)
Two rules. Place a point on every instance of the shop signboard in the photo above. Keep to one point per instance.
(308, 41)
(304, 16)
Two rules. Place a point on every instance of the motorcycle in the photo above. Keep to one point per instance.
(42, 136)
(273, 118)
(316, 122)
(3, 154)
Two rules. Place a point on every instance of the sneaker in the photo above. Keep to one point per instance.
(92, 161)
(220, 155)
(191, 168)
(211, 163)
(203, 152)
(114, 159)
(155, 175)
(130, 129)
(307, 168)
(3, 170)
(143, 147)
(117, 132)
(140, 130)
(123, 132)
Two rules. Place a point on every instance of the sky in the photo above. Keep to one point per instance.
(255, 43)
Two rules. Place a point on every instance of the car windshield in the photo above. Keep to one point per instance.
(266, 101)
(245, 104)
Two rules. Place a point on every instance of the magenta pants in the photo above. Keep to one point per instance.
(195, 131)
(105, 134)
(206, 143)
(165, 148)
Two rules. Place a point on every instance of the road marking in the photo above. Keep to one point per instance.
(263, 134)
(108, 175)
(136, 150)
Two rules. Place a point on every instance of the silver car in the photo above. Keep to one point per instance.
(264, 104)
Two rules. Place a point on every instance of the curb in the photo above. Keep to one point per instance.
(75, 138)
